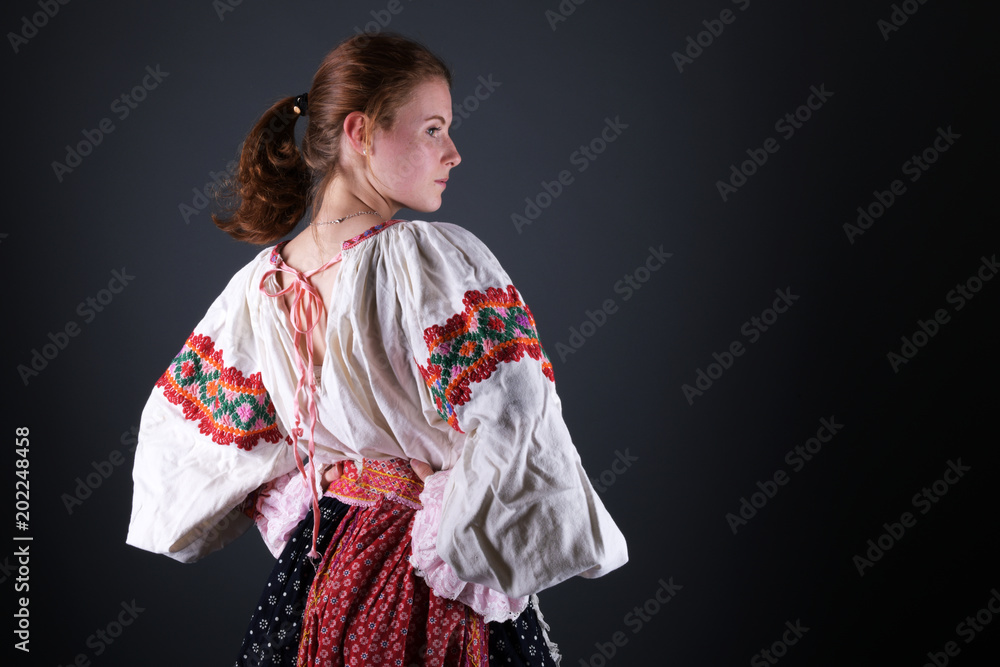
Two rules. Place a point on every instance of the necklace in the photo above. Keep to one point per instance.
(334, 222)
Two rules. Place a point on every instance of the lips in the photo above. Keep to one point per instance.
(442, 181)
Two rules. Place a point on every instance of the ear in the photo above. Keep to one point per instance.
(357, 129)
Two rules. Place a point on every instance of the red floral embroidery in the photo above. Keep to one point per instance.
(495, 327)
(231, 408)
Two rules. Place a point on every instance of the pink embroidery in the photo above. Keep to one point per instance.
(231, 408)
(494, 327)
(393, 479)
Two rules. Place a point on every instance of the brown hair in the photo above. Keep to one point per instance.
(276, 182)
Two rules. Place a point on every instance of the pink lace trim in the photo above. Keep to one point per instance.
(281, 505)
(493, 605)
(372, 503)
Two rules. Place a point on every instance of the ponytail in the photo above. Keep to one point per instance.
(271, 191)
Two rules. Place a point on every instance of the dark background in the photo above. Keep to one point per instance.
(656, 184)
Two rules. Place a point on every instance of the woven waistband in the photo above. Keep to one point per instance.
(393, 479)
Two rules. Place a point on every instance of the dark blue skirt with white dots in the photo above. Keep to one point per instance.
(272, 638)
(523, 641)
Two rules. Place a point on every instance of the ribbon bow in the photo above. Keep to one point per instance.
(307, 308)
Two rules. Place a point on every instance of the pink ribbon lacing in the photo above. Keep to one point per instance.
(307, 307)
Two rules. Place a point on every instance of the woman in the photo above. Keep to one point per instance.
(370, 343)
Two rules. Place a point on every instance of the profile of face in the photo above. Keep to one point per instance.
(413, 159)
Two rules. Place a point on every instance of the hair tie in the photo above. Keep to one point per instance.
(301, 106)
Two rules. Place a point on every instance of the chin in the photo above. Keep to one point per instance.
(427, 207)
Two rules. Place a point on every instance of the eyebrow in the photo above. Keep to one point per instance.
(440, 118)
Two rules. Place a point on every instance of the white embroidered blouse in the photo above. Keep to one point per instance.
(430, 354)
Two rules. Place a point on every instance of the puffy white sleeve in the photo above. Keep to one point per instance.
(209, 437)
(519, 513)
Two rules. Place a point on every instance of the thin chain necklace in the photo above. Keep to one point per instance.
(334, 222)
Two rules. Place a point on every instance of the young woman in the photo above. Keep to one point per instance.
(339, 370)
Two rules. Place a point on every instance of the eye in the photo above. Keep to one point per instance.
(432, 130)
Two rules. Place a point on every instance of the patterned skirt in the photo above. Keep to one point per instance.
(365, 605)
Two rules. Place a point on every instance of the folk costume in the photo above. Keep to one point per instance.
(431, 354)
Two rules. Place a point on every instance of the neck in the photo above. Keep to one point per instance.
(340, 199)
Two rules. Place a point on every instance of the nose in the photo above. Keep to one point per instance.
(451, 156)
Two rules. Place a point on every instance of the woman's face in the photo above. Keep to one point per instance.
(412, 161)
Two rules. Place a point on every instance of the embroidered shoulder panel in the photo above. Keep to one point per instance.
(231, 408)
(494, 327)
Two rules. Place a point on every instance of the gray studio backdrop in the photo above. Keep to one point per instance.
(758, 238)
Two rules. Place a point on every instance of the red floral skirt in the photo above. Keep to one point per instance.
(367, 606)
